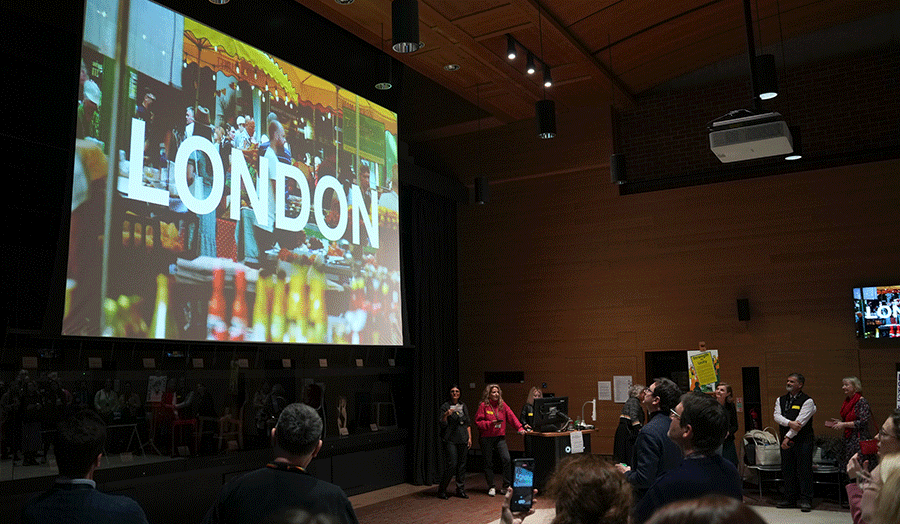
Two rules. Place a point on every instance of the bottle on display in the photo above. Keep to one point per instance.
(318, 318)
(297, 309)
(277, 327)
(238, 330)
(162, 326)
(216, 328)
(260, 330)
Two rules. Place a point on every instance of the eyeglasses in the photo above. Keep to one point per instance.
(674, 414)
(884, 434)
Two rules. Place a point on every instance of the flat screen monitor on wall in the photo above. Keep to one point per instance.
(221, 193)
(877, 311)
(551, 413)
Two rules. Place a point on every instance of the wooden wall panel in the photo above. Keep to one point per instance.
(565, 279)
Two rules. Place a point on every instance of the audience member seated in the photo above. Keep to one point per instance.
(888, 439)
(880, 500)
(710, 509)
(586, 490)
(284, 483)
(698, 426)
(74, 497)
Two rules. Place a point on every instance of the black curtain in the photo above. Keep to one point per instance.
(429, 246)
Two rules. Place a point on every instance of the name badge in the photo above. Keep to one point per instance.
(489, 412)
(795, 407)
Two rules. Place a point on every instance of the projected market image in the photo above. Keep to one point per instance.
(221, 193)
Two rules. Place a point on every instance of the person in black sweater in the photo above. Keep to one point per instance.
(284, 483)
(456, 436)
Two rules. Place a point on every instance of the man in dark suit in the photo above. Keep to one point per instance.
(74, 497)
(654, 452)
(284, 484)
(793, 413)
(698, 426)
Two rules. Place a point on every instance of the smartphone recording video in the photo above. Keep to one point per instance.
(523, 485)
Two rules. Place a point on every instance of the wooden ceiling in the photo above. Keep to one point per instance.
(599, 51)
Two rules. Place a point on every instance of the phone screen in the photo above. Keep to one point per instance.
(523, 485)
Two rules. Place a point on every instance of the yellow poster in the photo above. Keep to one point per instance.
(704, 370)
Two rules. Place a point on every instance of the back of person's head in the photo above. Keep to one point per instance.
(887, 505)
(708, 420)
(711, 509)
(299, 516)
(298, 430)
(668, 394)
(78, 442)
(635, 390)
(587, 489)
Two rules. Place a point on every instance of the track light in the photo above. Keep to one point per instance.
(530, 69)
(510, 47)
(385, 73)
(219, 2)
(546, 118)
(766, 77)
(796, 144)
(405, 26)
(548, 80)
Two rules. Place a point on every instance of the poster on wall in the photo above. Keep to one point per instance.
(221, 193)
(621, 385)
(703, 368)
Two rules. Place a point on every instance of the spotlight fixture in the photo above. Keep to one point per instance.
(548, 80)
(344, 2)
(796, 144)
(530, 69)
(385, 72)
(385, 68)
(510, 47)
(766, 77)
(451, 67)
(405, 26)
(546, 118)
(218, 2)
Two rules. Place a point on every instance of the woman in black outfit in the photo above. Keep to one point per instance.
(725, 396)
(630, 422)
(456, 434)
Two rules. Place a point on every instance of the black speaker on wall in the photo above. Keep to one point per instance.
(743, 307)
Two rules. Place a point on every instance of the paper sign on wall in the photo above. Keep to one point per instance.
(703, 367)
(604, 390)
(621, 385)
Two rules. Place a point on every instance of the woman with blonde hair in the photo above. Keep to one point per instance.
(527, 415)
(630, 422)
(880, 503)
(856, 416)
(491, 418)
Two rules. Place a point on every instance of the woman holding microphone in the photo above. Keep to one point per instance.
(456, 434)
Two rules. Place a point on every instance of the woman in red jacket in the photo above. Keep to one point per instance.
(492, 416)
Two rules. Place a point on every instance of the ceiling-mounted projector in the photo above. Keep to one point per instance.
(748, 137)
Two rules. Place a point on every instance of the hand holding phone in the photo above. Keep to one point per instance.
(523, 485)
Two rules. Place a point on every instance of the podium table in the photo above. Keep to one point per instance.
(550, 448)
